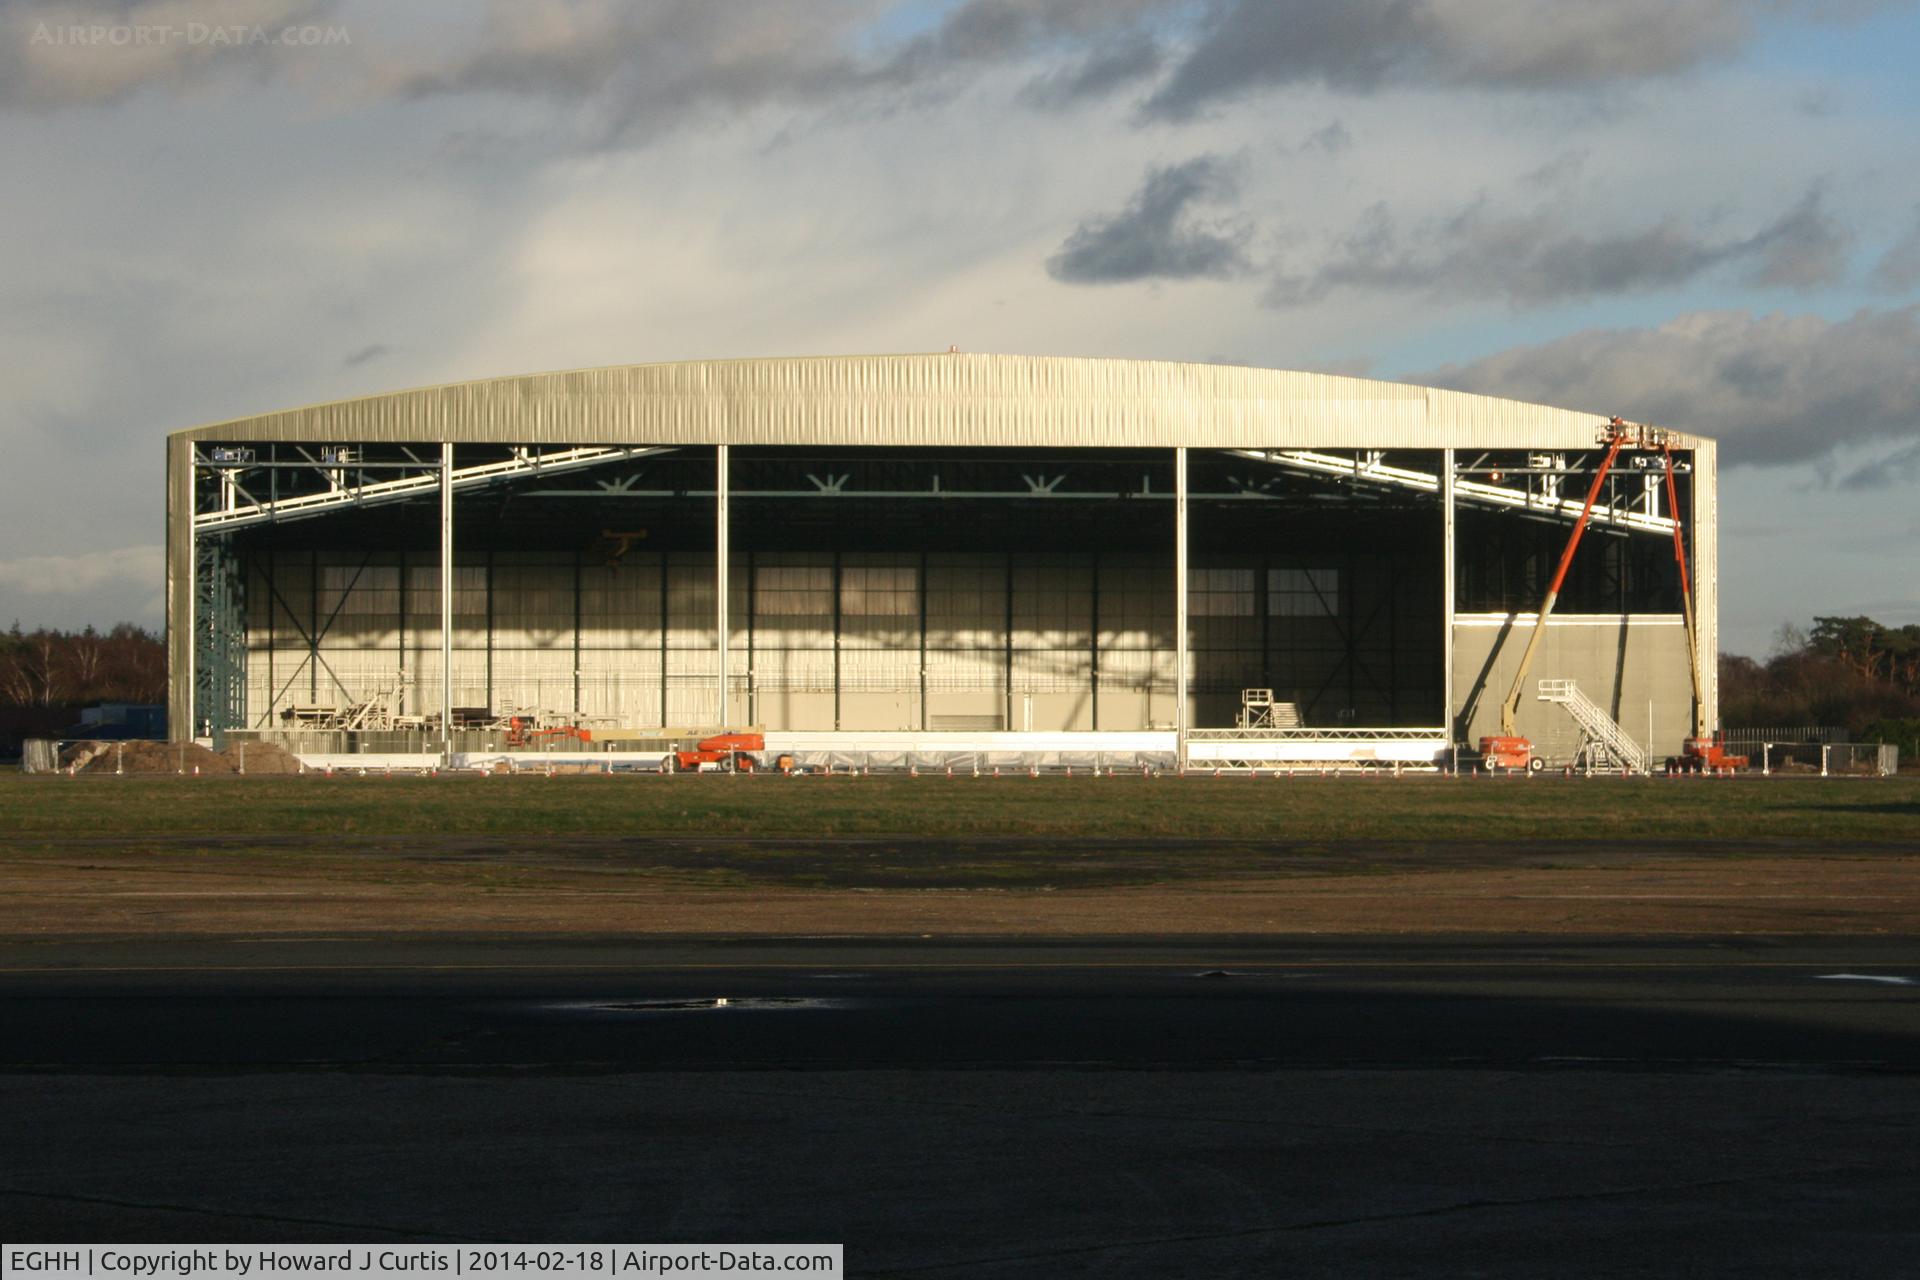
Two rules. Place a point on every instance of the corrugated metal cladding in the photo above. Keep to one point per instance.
(946, 399)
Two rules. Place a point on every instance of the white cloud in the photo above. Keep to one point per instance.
(97, 588)
(83, 574)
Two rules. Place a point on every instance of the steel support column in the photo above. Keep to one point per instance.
(407, 700)
(1705, 548)
(922, 604)
(753, 609)
(838, 571)
(1447, 596)
(1093, 646)
(576, 635)
(1007, 669)
(489, 572)
(1263, 609)
(664, 610)
(1180, 724)
(313, 627)
(720, 566)
(180, 588)
(264, 717)
(446, 602)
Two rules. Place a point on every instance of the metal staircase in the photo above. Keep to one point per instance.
(1258, 710)
(1603, 743)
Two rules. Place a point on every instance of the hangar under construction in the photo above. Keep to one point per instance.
(938, 558)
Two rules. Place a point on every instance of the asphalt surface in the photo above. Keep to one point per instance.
(1117, 1108)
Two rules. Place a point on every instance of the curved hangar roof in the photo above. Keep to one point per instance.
(946, 399)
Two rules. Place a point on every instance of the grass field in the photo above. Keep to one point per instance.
(145, 857)
(1349, 809)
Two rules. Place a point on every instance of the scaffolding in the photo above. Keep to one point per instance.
(1258, 710)
(220, 645)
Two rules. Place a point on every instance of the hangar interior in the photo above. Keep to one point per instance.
(876, 590)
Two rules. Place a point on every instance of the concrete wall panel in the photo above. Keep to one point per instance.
(1619, 663)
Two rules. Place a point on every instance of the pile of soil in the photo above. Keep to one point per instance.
(262, 757)
(143, 757)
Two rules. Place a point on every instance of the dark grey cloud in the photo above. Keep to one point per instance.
(1248, 46)
(372, 351)
(635, 70)
(1817, 102)
(1775, 389)
(988, 31)
(1536, 257)
(641, 68)
(1804, 249)
(1108, 68)
(1331, 138)
(1898, 270)
(1558, 174)
(1262, 44)
(1901, 467)
(636, 67)
(1156, 237)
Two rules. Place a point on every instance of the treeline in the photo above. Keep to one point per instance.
(55, 670)
(1851, 672)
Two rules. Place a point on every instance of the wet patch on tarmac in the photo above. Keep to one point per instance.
(702, 1004)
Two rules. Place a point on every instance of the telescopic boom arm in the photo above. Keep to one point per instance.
(1617, 435)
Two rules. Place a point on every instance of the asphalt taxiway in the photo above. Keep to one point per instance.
(1110, 1107)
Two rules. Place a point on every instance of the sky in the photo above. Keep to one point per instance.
(1700, 213)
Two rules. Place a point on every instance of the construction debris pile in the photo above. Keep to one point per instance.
(262, 757)
(142, 756)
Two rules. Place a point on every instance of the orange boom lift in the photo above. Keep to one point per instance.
(1507, 749)
(723, 750)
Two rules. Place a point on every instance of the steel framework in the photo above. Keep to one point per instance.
(235, 507)
(1371, 468)
(220, 647)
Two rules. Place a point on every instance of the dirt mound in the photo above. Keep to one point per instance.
(173, 757)
(142, 757)
(261, 757)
